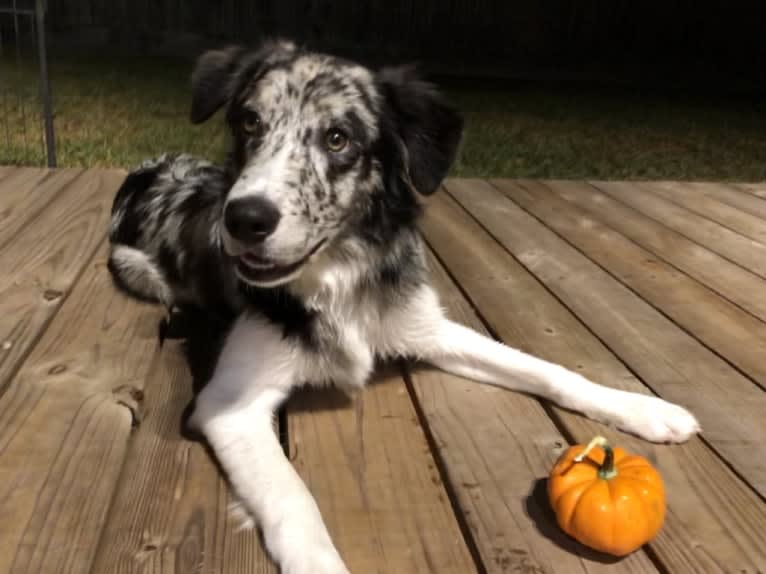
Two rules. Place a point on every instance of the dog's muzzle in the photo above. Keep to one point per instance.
(259, 270)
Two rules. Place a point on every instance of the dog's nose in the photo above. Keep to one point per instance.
(250, 219)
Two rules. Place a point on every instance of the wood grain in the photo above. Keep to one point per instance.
(367, 463)
(756, 189)
(728, 279)
(733, 333)
(686, 196)
(735, 247)
(703, 532)
(731, 195)
(171, 513)
(17, 181)
(44, 260)
(497, 447)
(674, 364)
(16, 184)
(65, 420)
(19, 204)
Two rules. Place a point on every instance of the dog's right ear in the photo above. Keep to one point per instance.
(214, 81)
(220, 73)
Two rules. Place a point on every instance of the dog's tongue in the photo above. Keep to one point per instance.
(252, 260)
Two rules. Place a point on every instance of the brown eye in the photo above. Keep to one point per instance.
(251, 123)
(335, 140)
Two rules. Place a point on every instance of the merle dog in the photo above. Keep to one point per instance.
(308, 236)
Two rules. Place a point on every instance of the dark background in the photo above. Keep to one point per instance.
(578, 89)
(717, 45)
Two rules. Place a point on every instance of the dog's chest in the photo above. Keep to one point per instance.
(345, 344)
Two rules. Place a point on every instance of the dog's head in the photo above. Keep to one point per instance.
(322, 148)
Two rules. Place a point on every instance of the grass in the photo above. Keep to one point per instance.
(114, 111)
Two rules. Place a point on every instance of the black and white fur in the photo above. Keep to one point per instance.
(309, 238)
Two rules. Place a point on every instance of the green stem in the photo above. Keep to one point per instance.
(606, 470)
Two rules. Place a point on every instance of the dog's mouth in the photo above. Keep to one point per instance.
(259, 270)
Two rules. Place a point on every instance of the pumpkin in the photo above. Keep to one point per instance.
(606, 498)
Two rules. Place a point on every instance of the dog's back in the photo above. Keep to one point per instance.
(164, 247)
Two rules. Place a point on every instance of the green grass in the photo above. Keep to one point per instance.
(115, 110)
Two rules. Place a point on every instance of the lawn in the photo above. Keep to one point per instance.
(114, 111)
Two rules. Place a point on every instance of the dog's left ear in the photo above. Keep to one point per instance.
(429, 128)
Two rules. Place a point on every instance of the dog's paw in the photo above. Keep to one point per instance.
(658, 421)
(303, 547)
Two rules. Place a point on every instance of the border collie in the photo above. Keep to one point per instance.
(308, 236)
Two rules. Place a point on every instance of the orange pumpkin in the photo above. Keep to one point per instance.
(605, 498)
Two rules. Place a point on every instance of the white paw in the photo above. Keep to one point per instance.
(656, 420)
(304, 547)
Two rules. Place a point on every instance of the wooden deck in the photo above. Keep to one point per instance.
(653, 287)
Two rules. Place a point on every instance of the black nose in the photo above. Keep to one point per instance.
(250, 219)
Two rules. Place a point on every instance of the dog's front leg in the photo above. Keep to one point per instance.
(462, 351)
(235, 411)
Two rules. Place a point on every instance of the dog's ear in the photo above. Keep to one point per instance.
(214, 80)
(218, 74)
(429, 128)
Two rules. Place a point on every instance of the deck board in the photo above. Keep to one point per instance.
(682, 194)
(171, 511)
(729, 406)
(45, 259)
(756, 189)
(423, 472)
(735, 334)
(732, 196)
(64, 427)
(367, 463)
(23, 200)
(18, 181)
(750, 254)
(726, 278)
(495, 446)
(529, 318)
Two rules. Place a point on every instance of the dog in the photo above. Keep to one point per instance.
(308, 237)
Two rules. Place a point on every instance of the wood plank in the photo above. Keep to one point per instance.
(14, 179)
(703, 532)
(367, 463)
(20, 204)
(724, 277)
(701, 204)
(735, 247)
(728, 330)
(731, 195)
(14, 186)
(64, 426)
(45, 260)
(6, 170)
(171, 513)
(729, 406)
(757, 189)
(497, 448)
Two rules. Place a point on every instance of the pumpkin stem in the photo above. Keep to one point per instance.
(606, 470)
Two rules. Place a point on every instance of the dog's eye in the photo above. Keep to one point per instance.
(251, 123)
(335, 140)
